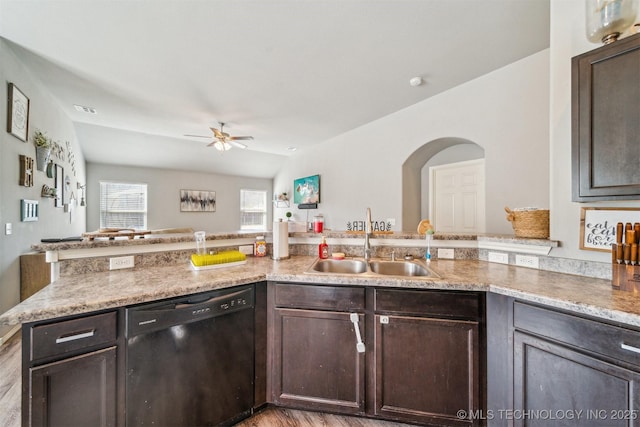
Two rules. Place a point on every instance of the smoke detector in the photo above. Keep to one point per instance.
(416, 81)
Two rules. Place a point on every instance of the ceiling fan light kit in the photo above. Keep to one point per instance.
(223, 141)
(222, 146)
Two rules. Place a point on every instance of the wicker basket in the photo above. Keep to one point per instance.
(529, 223)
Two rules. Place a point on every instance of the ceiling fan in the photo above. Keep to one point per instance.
(223, 141)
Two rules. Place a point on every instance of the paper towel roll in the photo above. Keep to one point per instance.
(280, 240)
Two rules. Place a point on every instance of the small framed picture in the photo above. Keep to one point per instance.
(59, 185)
(17, 113)
(598, 226)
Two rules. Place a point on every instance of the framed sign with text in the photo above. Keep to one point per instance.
(598, 226)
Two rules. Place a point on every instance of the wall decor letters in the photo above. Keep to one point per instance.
(26, 171)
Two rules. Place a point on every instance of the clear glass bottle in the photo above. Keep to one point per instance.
(607, 19)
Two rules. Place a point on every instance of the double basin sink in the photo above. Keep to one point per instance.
(373, 267)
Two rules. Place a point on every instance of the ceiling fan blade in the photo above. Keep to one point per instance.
(198, 136)
(217, 133)
(240, 138)
(211, 143)
(236, 144)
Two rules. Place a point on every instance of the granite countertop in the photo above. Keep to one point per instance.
(84, 293)
(156, 239)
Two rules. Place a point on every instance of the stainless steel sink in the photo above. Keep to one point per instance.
(399, 268)
(343, 266)
(372, 268)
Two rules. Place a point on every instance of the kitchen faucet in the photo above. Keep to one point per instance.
(367, 232)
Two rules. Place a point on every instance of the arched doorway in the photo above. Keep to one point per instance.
(437, 152)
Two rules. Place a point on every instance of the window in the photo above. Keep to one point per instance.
(253, 210)
(123, 205)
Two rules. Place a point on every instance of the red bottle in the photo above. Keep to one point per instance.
(323, 249)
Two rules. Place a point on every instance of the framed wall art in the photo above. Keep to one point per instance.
(59, 180)
(598, 226)
(17, 113)
(306, 190)
(197, 201)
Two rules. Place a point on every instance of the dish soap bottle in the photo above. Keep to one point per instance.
(323, 249)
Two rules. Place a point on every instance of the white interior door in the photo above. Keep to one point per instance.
(457, 197)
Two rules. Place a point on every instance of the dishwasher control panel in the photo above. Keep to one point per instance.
(156, 316)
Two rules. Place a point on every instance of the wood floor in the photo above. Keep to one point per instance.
(10, 382)
(10, 391)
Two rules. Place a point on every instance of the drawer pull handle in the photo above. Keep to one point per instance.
(356, 327)
(79, 336)
(630, 348)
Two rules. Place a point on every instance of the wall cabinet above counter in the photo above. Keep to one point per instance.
(606, 122)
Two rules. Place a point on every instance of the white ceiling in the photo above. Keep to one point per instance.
(287, 72)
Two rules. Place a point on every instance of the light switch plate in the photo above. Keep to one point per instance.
(8, 228)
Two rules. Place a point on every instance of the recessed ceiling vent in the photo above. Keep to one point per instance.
(83, 109)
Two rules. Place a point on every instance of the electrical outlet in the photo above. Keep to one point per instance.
(120, 262)
(445, 253)
(246, 249)
(391, 221)
(499, 257)
(527, 261)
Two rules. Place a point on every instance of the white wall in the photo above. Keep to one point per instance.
(163, 196)
(568, 39)
(45, 114)
(506, 112)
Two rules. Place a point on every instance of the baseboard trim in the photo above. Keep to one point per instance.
(8, 335)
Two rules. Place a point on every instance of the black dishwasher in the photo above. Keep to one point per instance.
(190, 360)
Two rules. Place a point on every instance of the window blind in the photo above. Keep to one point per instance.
(123, 205)
(253, 210)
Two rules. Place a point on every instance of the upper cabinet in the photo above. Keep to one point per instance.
(606, 122)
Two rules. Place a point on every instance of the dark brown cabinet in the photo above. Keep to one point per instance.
(580, 369)
(70, 372)
(606, 122)
(555, 381)
(78, 391)
(314, 363)
(422, 361)
(428, 356)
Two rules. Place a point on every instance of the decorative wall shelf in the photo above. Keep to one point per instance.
(281, 203)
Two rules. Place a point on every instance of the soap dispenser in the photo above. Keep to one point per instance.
(323, 249)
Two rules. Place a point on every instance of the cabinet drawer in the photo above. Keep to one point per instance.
(590, 335)
(429, 303)
(71, 335)
(338, 298)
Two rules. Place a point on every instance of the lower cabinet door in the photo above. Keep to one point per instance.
(315, 361)
(555, 384)
(427, 370)
(79, 391)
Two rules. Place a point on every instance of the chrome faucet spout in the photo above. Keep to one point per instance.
(367, 232)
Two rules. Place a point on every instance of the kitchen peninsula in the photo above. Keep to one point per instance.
(511, 305)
